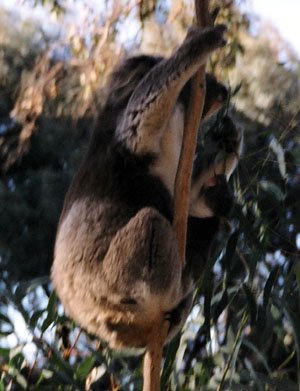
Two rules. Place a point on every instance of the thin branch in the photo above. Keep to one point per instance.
(67, 353)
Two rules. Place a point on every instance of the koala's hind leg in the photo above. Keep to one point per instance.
(152, 102)
(142, 267)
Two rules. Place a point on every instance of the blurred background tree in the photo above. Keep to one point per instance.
(244, 330)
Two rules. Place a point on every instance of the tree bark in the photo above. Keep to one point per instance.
(185, 167)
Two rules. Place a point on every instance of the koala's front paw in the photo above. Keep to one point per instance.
(211, 37)
(214, 36)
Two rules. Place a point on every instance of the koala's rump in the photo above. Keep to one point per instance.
(104, 275)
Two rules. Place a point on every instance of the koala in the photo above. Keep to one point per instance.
(116, 267)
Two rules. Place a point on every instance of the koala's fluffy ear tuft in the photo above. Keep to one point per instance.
(216, 96)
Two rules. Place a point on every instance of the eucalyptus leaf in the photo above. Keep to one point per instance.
(276, 147)
(84, 368)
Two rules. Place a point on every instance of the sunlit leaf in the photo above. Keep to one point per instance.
(45, 374)
(276, 147)
(18, 377)
(15, 351)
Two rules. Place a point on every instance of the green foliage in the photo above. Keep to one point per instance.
(244, 330)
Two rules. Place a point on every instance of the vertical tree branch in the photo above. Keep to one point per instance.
(153, 355)
(185, 167)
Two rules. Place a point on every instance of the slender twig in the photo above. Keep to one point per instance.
(67, 353)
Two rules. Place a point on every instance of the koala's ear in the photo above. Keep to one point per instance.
(127, 76)
(216, 96)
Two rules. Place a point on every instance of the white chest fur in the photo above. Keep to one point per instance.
(165, 166)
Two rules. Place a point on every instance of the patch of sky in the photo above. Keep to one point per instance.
(284, 15)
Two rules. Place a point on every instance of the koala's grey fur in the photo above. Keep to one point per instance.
(116, 267)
